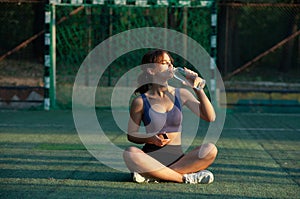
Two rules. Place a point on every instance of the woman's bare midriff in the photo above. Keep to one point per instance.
(175, 138)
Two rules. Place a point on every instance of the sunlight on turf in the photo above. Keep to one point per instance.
(51, 160)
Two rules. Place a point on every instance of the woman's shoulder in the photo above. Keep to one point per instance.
(184, 94)
(179, 91)
(137, 106)
(182, 91)
(137, 101)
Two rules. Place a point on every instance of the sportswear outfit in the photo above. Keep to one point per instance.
(170, 121)
(157, 122)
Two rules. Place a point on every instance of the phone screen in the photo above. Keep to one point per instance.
(165, 136)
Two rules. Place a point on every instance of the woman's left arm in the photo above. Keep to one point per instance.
(201, 106)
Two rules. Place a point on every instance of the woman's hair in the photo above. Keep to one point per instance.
(154, 56)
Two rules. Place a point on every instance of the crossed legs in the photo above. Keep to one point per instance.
(198, 159)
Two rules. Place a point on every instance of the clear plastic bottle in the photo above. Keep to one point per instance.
(179, 73)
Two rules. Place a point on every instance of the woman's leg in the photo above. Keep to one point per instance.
(198, 159)
(138, 161)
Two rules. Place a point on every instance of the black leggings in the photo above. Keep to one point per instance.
(167, 155)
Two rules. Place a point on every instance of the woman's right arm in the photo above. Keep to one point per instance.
(136, 112)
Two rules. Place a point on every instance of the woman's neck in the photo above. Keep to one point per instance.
(159, 89)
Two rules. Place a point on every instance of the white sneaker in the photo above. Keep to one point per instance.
(201, 177)
(138, 178)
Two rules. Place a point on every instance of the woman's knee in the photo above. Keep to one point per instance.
(208, 150)
(132, 153)
(129, 151)
(214, 150)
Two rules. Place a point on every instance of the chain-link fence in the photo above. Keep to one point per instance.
(257, 40)
(259, 53)
(21, 53)
(89, 26)
(78, 35)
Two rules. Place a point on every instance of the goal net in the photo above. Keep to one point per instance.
(76, 27)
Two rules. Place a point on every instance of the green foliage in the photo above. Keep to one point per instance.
(77, 36)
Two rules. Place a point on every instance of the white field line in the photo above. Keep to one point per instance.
(261, 129)
(273, 114)
(30, 125)
(226, 128)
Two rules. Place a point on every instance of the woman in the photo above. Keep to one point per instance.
(159, 108)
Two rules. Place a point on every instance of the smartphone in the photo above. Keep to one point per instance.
(165, 136)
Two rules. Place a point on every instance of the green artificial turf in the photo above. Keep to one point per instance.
(42, 157)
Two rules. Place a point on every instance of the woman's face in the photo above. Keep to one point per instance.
(166, 63)
(163, 69)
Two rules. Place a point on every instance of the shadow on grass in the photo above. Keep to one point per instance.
(98, 191)
(65, 174)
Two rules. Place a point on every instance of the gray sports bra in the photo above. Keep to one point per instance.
(170, 121)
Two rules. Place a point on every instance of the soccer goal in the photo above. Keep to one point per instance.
(75, 27)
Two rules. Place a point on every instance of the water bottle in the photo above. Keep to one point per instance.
(179, 73)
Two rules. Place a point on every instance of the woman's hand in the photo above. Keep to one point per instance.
(193, 79)
(158, 140)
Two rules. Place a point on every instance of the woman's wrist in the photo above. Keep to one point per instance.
(199, 93)
(198, 89)
(200, 83)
